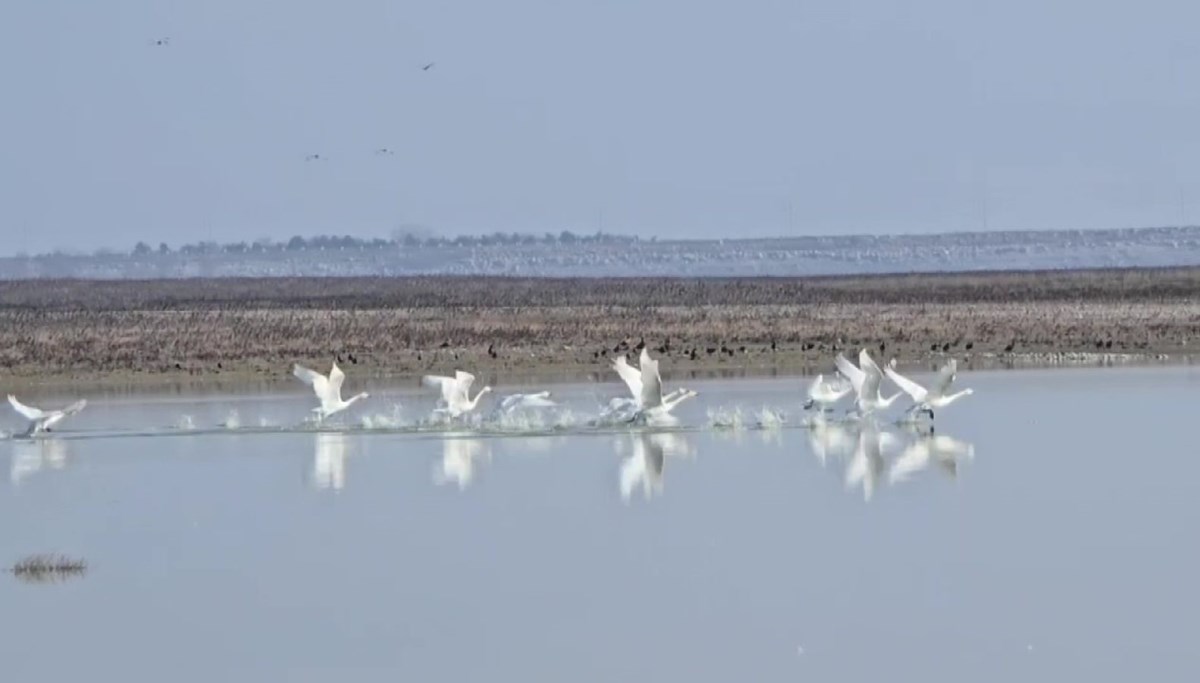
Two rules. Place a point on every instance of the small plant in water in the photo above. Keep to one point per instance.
(48, 568)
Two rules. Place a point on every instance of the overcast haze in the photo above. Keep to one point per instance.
(670, 118)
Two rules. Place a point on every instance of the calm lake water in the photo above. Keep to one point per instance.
(1045, 531)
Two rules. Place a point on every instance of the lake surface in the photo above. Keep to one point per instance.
(1045, 531)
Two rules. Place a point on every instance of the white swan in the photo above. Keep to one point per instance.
(824, 393)
(328, 389)
(515, 402)
(455, 390)
(646, 386)
(866, 381)
(42, 420)
(925, 400)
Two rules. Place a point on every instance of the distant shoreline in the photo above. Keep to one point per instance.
(246, 328)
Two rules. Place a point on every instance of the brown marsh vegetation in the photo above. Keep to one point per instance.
(403, 325)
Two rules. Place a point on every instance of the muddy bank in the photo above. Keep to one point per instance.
(395, 327)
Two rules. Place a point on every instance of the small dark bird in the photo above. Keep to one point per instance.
(1009, 348)
(882, 347)
(946, 347)
(418, 356)
(219, 366)
(772, 345)
(492, 351)
(445, 345)
(1099, 344)
(313, 157)
(178, 366)
(339, 357)
(604, 352)
(617, 348)
(933, 347)
(384, 151)
(162, 42)
(1108, 344)
(350, 357)
(428, 66)
(969, 346)
(741, 349)
(640, 345)
(711, 350)
(693, 354)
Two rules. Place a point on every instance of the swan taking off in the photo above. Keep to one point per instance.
(455, 399)
(515, 402)
(646, 386)
(824, 393)
(42, 420)
(925, 400)
(328, 389)
(866, 381)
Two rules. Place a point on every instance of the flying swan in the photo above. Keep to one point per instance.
(823, 393)
(925, 400)
(328, 389)
(455, 397)
(866, 380)
(645, 384)
(42, 420)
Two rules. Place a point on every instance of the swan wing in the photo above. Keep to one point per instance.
(916, 391)
(28, 412)
(75, 407)
(629, 374)
(651, 396)
(855, 375)
(447, 385)
(945, 377)
(336, 377)
(867, 363)
(464, 380)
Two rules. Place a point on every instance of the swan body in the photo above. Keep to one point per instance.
(42, 420)
(327, 388)
(645, 384)
(937, 395)
(866, 380)
(455, 391)
(517, 402)
(823, 393)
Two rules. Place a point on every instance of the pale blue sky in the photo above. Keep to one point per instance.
(663, 117)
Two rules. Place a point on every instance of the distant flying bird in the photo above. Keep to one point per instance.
(313, 157)
(327, 388)
(385, 150)
(428, 66)
(162, 42)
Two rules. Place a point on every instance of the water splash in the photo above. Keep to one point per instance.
(185, 423)
(232, 420)
(392, 420)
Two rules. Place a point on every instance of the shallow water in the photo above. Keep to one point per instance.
(1045, 530)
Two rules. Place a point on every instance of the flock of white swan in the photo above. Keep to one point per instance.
(646, 402)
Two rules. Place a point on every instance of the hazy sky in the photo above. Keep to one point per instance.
(664, 117)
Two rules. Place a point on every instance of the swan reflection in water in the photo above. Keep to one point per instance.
(459, 458)
(33, 455)
(872, 453)
(329, 460)
(645, 464)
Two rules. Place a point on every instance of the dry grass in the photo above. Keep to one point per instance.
(48, 568)
(403, 325)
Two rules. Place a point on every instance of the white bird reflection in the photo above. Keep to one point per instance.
(945, 451)
(871, 452)
(459, 458)
(329, 460)
(645, 465)
(32, 456)
(867, 465)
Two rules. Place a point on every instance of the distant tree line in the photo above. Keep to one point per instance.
(402, 239)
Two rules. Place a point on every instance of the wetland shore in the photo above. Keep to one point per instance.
(229, 329)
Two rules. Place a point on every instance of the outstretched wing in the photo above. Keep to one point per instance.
(631, 377)
(464, 380)
(336, 377)
(945, 377)
(75, 407)
(28, 412)
(447, 385)
(651, 396)
(314, 379)
(867, 363)
(856, 376)
(916, 391)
